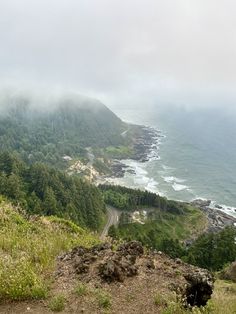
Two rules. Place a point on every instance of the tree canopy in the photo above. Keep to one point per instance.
(130, 199)
(39, 135)
(47, 191)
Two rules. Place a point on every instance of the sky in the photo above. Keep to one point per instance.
(124, 52)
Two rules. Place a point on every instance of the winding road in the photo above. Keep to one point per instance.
(113, 219)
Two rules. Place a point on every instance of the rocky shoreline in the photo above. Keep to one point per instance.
(146, 143)
(145, 146)
(217, 219)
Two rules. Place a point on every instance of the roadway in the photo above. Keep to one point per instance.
(113, 219)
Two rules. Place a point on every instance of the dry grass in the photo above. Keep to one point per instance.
(224, 298)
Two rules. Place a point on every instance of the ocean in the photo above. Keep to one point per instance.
(197, 155)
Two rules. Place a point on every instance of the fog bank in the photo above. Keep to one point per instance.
(125, 52)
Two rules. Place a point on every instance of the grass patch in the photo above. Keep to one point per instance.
(172, 304)
(118, 152)
(160, 300)
(224, 298)
(81, 289)
(103, 299)
(28, 247)
(57, 303)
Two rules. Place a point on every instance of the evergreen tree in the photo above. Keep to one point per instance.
(43, 190)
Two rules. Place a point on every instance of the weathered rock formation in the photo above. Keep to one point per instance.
(229, 273)
(102, 265)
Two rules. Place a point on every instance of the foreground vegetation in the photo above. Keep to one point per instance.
(223, 301)
(223, 298)
(28, 250)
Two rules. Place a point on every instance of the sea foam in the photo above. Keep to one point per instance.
(179, 187)
(173, 179)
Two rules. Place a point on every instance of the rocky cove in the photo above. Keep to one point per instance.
(144, 147)
(217, 219)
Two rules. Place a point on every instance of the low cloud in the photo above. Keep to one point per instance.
(126, 53)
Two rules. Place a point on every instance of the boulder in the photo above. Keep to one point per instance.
(133, 248)
(229, 273)
(200, 283)
(110, 271)
(121, 264)
(201, 203)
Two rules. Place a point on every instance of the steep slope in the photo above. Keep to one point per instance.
(124, 278)
(46, 131)
(46, 191)
(28, 247)
(153, 219)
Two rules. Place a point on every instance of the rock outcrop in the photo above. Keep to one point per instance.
(199, 287)
(229, 273)
(217, 218)
(122, 263)
(102, 265)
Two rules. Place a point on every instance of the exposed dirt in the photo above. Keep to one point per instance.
(130, 276)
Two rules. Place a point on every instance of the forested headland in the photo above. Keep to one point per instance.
(40, 133)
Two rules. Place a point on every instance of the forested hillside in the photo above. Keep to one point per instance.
(167, 225)
(46, 132)
(130, 199)
(47, 191)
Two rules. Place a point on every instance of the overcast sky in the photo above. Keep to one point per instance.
(124, 52)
